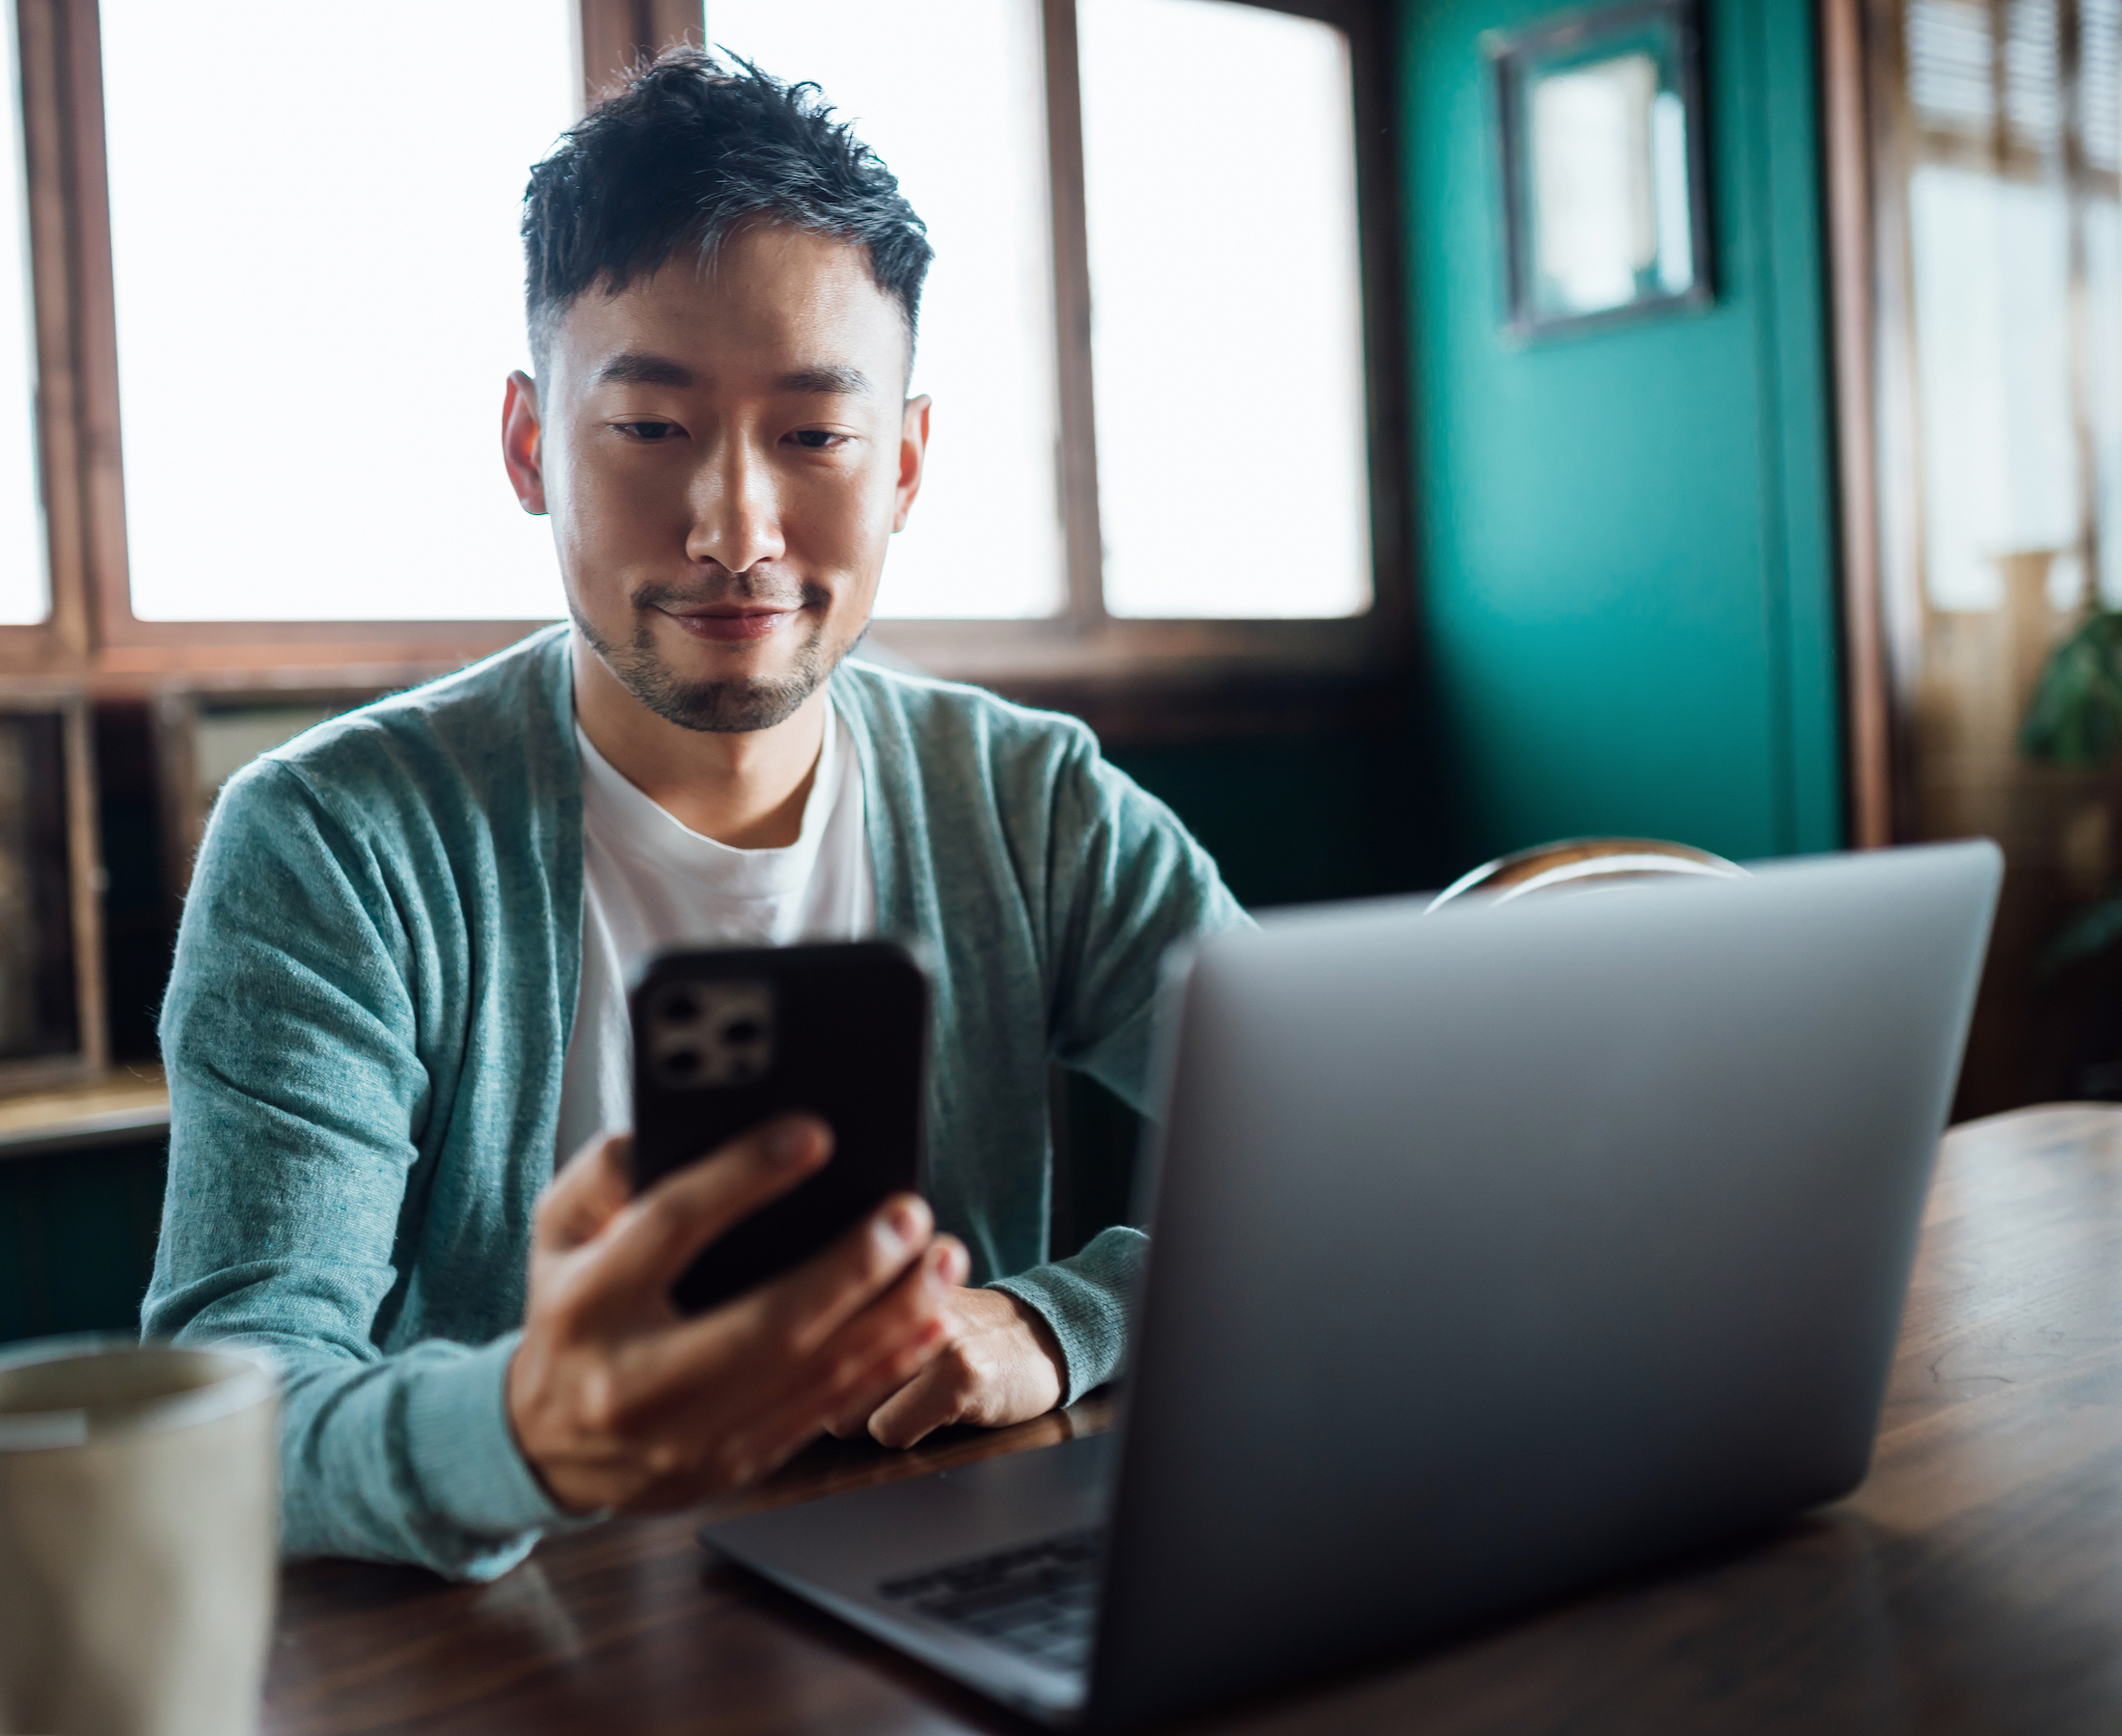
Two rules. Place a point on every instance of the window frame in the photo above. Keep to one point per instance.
(1070, 657)
(1874, 139)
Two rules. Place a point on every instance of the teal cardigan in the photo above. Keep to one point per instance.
(374, 985)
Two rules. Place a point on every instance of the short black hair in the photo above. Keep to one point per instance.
(689, 150)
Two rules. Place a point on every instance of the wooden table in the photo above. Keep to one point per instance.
(1972, 1583)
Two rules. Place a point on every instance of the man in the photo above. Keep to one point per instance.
(398, 989)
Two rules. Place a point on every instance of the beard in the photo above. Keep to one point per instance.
(711, 707)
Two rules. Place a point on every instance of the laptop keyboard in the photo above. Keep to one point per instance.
(1039, 1600)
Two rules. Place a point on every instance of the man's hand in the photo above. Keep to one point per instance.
(1003, 1365)
(618, 1400)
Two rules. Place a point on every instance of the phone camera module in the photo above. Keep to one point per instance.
(708, 1034)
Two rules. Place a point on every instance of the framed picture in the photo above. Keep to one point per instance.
(1605, 178)
(53, 1027)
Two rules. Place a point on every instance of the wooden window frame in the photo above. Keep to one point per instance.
(1875, 693)
(1075, 657)
(1085, 657)
(1873, 141)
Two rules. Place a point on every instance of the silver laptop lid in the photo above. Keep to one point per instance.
(1502, 1250)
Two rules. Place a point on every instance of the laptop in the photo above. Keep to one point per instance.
(1496, 1253)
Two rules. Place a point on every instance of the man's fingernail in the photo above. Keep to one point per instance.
(906, 1224)
(788, 1143)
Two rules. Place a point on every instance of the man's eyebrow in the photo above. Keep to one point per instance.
(639, 367)
(830, 378)
(642, 368)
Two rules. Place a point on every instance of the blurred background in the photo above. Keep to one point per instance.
(1406, 430)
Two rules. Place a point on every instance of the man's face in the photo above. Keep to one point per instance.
(724, 454)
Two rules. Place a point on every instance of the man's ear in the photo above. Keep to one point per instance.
(913, 439)
(520, 442)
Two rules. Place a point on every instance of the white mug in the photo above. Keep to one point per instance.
(139, 1537)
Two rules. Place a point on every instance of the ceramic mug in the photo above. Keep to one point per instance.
(138, 1520)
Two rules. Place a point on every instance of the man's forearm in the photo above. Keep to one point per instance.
(406, 1458)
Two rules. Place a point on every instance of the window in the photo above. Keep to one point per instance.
(296, 248)
(2014, 271)
(919, 78)
(24, 589)
(1225, 473)
(1144, 332)
(1226, 312)
(1975, 177)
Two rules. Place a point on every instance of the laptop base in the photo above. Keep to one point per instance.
(876, 1558)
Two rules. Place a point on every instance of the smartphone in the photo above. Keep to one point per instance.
(725, 1039)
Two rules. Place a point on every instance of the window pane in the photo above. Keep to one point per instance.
(313, 214)
(1991, 273)
(950, 95)
(2102, 220)
(24, 589)
(1226, 305)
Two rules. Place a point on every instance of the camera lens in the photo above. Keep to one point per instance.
(681, 1008)
(682, 1064)
(742, 1033)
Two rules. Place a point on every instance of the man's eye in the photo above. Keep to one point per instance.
(818, 440)
(650, 431)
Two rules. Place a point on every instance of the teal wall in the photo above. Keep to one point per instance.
(1294, 818)
(1626, 573)
(77, 1235)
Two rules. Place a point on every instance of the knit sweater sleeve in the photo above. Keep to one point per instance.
(1126, 885)
(298, 1103)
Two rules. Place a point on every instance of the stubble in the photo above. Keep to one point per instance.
(712, 707)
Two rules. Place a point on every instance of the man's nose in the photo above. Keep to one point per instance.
(736, 510)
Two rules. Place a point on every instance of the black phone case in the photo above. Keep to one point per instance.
(725, 1039)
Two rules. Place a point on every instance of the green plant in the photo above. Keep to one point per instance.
(2074, 721)
(2076, 718)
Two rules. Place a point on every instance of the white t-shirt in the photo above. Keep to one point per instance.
(649, 880)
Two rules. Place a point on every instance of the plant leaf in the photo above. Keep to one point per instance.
(2075, 715)
(2092, 931)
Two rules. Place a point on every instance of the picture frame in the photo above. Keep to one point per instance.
(1602, 153)
(54, 1025)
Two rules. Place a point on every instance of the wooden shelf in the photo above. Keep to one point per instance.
(118, 1108)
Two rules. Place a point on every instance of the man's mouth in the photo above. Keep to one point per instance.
(733, 624)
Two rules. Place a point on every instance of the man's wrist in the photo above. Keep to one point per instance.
(464, 1448)
(513, 1403)
(1043, 1334)
(1084, 1299)
(1038, 1331)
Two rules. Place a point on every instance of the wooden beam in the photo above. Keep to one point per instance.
(1085, 534)
(44, 28)
(613, 35)
(1846, 168)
